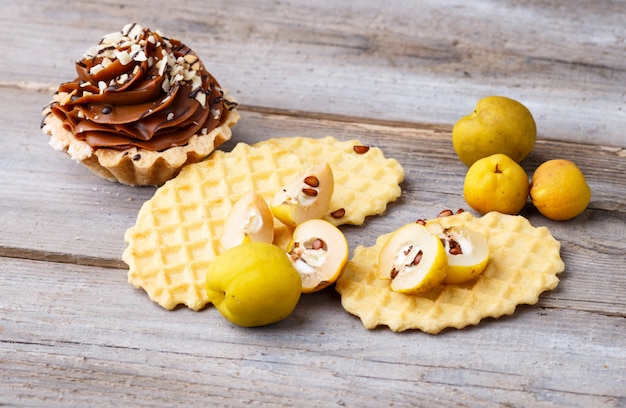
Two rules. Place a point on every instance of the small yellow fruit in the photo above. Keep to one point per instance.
(306, 197)
(413, 258)
(496, 183)
(467, 251)
(253, 284)
(497, 125)
(559, 190)
(319, 252)
(250, 219)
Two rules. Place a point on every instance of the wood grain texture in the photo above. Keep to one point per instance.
(70, 342)
(387, 61)
(394, 74)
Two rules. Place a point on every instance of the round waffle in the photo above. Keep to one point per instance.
(524, 262)
(176, 235)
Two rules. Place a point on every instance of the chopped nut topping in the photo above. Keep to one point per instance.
(96, 68)
(146, 66)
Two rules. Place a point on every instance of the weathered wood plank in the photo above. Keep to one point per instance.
(426, 62)
(76, 335)
(394, 74)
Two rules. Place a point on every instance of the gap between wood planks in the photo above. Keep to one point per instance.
(61, 257)
(331, 117)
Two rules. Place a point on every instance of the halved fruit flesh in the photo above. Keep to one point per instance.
(413, 258)
(306, 197)
(467, 251)
(319, 252)
(250, 219)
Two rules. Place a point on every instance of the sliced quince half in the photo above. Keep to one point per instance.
(306, 197)
(250, 219)
(413, 258)
(467, 251)
(319, 252)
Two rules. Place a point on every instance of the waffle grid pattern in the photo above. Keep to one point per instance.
(524, 262)
(177, 231)
(364, 178)
(176, 235)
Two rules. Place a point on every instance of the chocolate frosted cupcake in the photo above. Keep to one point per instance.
(141, 108)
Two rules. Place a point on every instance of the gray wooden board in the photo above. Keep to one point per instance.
(400, 61)
(396, 75)
(80, 335)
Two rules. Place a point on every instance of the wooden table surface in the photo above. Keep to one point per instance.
(394, 74)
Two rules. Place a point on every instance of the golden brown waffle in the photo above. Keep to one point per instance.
(177, 232)
(524, 262)
(362, 175)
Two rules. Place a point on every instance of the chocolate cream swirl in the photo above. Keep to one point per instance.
(139, 88)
